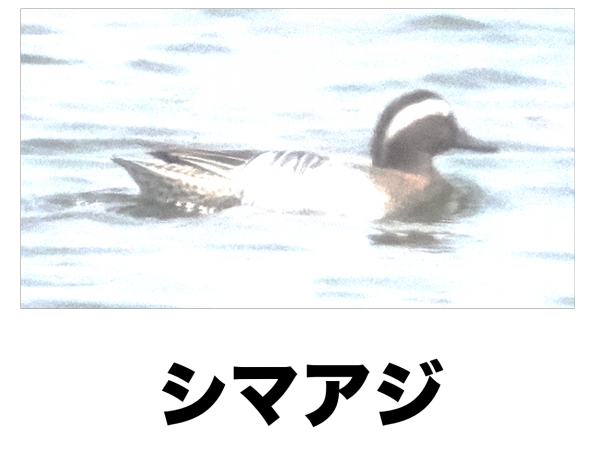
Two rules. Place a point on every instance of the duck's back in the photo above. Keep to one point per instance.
(221, 179)
(294, 181)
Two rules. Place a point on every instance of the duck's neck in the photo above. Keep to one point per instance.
(403, 189)
(406, 161)
(421, 165)
(398, 182)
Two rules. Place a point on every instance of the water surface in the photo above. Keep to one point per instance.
(96, 84)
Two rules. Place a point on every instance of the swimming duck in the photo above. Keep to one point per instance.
(402, 180)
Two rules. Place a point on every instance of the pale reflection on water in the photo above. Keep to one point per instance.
(120, 83)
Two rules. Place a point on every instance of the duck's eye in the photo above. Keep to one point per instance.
(414, 113)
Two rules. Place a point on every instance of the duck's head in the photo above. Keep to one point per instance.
(416, 127)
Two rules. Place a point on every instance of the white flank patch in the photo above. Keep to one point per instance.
(414, 112)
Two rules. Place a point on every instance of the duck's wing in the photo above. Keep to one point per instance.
(220, 163)
(213, 177)
(199, 176)
(223, 163)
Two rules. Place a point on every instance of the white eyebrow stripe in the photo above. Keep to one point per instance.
(414, 112)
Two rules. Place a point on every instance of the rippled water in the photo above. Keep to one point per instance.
(97, 84)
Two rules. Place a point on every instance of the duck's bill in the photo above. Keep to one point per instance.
(465, 141)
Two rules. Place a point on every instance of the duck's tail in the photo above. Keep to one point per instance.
(177, 182)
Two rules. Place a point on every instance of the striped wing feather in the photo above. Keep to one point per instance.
(220, 163)
(223, 163)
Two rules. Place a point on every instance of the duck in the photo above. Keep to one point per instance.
(399, 181)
